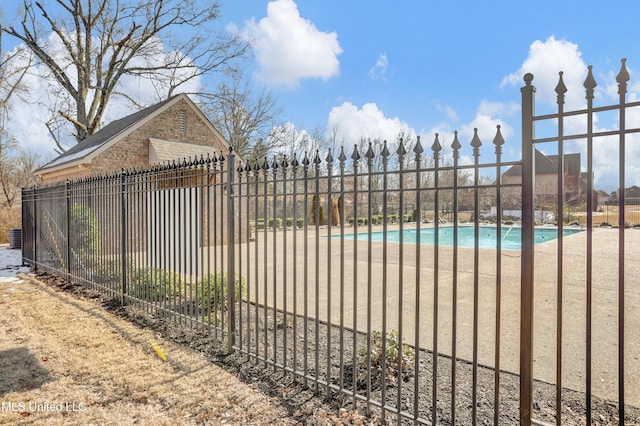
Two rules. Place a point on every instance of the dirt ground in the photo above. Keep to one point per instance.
(68, 360)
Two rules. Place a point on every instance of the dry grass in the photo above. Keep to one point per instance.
(73, 355)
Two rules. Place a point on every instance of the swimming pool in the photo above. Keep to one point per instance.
(511, 236)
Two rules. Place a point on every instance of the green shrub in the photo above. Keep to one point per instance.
(289, 222)
(300, 222)
(106, 272)
(84, 235)
(153, 284)
(274, 223)
(212, 291)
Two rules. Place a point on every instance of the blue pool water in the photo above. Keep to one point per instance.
(487, 236)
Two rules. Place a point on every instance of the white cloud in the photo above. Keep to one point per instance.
(487, 128)
(352, 124)
(290, 48)
(545, 60)
(449, 112)
(379, 70)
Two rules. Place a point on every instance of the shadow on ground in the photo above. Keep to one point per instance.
(20, 371)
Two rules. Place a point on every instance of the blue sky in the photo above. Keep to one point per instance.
(372, 68)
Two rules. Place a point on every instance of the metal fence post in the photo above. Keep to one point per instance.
(527, 252)
(231, 275)
(123, 235)
(68, 230)
(34, 235)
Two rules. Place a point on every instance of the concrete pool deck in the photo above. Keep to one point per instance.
(340, 282)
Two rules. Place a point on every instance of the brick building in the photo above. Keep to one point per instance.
(166, 215)
(170, 130)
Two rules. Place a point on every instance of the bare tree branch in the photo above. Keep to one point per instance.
(89, 46)
(244, 117)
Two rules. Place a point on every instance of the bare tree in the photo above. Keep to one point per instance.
(16, 172)
(245, 117)
(88, 46)
(15, 166)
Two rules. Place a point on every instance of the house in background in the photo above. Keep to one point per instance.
(631, 195)
(170, 130)
(546, 168)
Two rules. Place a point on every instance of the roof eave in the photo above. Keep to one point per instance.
(62, 169)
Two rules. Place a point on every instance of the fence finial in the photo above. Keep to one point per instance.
(295, 163)
(623, 77)
(498, 140)
(342, 157)
(528, 78)
(561, 89)
(436, 147)
(370, 154)
(590, 83)
(475, 142)
(401, 150)
(329, 158)
(418, 149)
(356, 155)
(456, 145)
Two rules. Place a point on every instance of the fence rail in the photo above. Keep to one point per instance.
(386, 273)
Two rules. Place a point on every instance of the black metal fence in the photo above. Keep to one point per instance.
(376, 273)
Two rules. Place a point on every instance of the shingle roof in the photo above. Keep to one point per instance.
(548, 164)
(104, 135)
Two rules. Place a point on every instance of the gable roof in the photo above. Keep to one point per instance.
(85, 151)
(548, 164)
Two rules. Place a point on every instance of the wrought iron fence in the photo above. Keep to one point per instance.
(588, 302)
(389, 275)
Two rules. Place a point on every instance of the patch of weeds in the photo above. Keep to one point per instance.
(390, 360)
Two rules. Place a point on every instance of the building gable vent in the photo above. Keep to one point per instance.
(183, 122)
